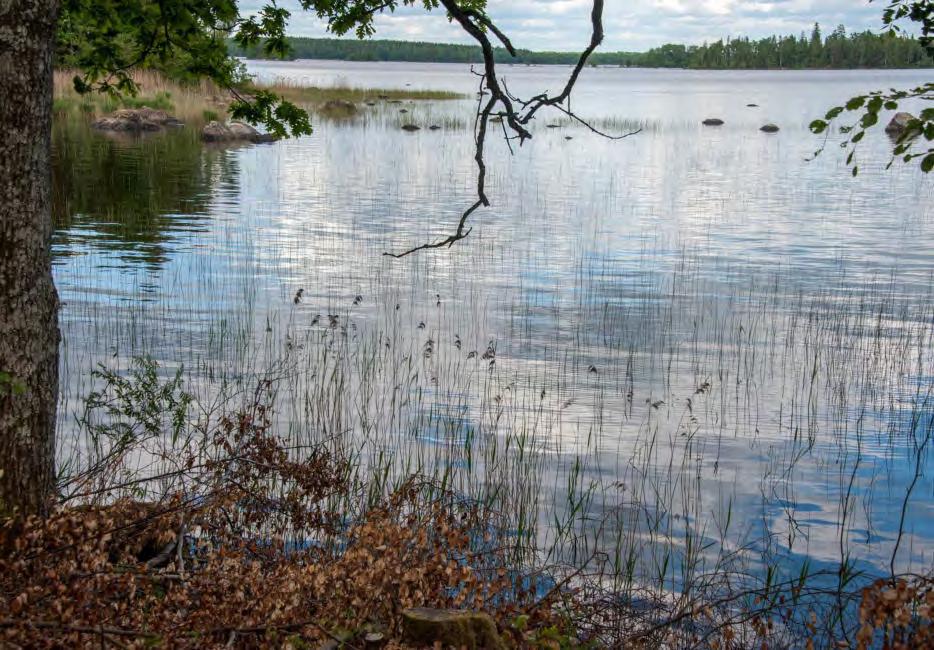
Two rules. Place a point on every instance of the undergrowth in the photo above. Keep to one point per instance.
(187, 527)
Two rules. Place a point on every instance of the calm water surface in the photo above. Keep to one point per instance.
(641, 340)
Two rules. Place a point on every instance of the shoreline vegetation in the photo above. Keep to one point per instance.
(838, 50)
(203, 101)
(204, 521)
(202, 526)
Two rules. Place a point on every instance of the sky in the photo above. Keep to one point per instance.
(630, 25)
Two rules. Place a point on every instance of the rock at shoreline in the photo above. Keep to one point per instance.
(434, 127)
(136, 120)
(899, 124)
(769, 128)
(713, 121)
(339, 107)
(233, 132)
(411, 127)
(425, 628)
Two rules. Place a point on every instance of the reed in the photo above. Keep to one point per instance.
(678, 436)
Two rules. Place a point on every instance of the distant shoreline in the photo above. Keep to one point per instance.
(595, 66)
(838, 51)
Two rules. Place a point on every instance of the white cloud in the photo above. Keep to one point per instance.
(629, 24)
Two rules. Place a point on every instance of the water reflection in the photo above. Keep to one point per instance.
(683, 323)
(132, 195)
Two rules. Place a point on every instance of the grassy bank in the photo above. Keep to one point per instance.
(189, 102)
(205, 101)
(342, 92)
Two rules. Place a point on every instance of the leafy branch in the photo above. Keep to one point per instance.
(911, 138)
(911, 134)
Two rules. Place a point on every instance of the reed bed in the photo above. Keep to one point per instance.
(689, 442)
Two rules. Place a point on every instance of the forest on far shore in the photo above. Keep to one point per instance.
(838, 49)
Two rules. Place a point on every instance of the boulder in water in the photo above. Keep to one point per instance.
(136, 120)
(215, 131)
(769, 128)
(899, 124)
(339, 107)
(411, 127)
(713, 121)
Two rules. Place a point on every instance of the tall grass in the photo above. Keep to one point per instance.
(298, 92)
(187, 101)
(667, 432)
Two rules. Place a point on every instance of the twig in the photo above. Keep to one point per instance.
(516, 113)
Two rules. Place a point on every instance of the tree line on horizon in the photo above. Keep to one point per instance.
(838, 49)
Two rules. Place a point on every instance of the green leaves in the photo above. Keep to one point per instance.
(869, 119)
(282, 118)
(870, 107)
(108, 39)
(818, 126)
(855, 103)
(871, 104)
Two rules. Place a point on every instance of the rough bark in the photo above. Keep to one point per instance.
(29, 334)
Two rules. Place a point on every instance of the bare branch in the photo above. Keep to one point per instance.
(514, 112)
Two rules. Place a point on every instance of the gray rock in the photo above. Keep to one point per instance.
(434, 127)
(899, 124)
(752, 105)
(425, 627)
(339, 107)
(411, 127)
(136, 120)
(769, 128)
(215, 131)
(713, 121)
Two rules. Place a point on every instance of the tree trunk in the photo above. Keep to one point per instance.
(29, 333)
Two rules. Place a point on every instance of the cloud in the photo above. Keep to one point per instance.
(629, 24)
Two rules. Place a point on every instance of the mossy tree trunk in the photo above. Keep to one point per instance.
(29, 334)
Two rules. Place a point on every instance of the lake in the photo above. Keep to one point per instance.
(690, 351)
